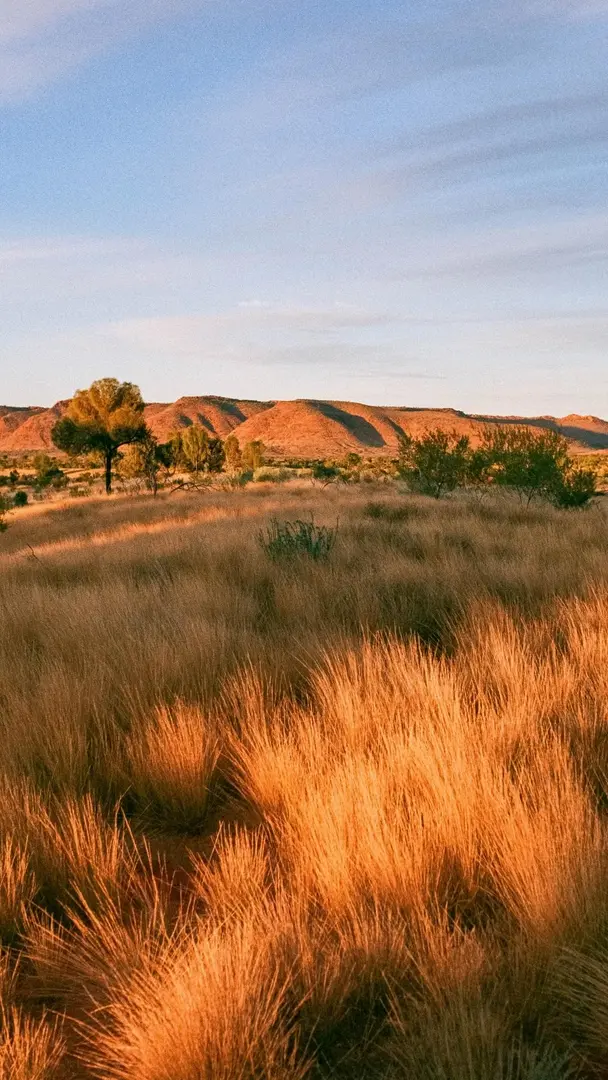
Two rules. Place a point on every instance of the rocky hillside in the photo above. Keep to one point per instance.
(308, 429)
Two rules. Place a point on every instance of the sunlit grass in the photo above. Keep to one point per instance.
(265, 820)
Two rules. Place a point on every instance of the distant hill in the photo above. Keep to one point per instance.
(302, 428)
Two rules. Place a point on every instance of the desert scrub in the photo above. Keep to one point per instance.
(287, 539)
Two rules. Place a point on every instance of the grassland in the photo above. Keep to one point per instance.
(282, 820)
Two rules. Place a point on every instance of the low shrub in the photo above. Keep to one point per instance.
(4, 509)
(273, 474)
(20, 498)
(287, 539)
(574, 489)
(325, 474)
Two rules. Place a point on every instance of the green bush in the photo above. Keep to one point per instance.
(574, 489)
(538, 465)
(534, 464)
(20, 498)
(434, 464)
(273, 474)
(325, 474)
(288, 539)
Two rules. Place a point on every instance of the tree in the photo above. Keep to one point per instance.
(232, 451)
(434, 464)
(4, 509)
(576, 487)
(534, 464)
(529, 462)
(253, 454)
(147, 460)
(216, 456)
(324, 473)
(192, 448)
(48, 472)
(102, 419)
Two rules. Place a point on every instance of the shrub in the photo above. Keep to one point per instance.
(534, 464)
(325, 473)
(235, 481)
(272, 475)
(20, 498)
(574, 489)
(434, 464)
(234, 457)
(4, 509)
(48, 473)
(286, 539)
(146, 461)
(253, 454)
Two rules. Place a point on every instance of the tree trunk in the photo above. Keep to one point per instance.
(109, 456)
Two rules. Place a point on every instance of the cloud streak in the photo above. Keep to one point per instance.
(44, 40)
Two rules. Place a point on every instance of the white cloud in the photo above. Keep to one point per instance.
(42, 40)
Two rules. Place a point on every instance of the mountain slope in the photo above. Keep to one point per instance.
(303, 428)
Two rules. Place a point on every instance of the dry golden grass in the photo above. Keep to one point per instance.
(264, 821)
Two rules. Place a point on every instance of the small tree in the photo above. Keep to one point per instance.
(325, 474)
(147, 460)
(480, 468)
(102, 419)
(575, 488)
(191, 448)
(530, 463)
(48, 472)
(434, 464)
(234, 457)
(216, 456)
(253, 454)
(4, 509)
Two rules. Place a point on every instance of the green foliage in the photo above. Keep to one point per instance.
(434, 464)
(234, 457)
(235, 481)
(147, 461)
(48, 472)
(4, 509)
(575, 488)
(20, 498)
(191, 448)
(253, 454)
(195, 451)
(289, 539)
(102, 419)
(531, 463)
(325, 474)
(216, 456)
(538, 464)
(272, 474)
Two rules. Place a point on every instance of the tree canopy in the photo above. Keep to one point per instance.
(103, 418)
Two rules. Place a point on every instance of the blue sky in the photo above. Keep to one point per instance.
(387, 202)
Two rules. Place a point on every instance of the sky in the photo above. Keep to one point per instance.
(396, 203)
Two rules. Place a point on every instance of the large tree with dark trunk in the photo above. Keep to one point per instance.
(108, 415)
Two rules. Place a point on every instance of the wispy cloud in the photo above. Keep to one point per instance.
(42, 40)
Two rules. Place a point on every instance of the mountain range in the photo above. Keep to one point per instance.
(302, 428)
